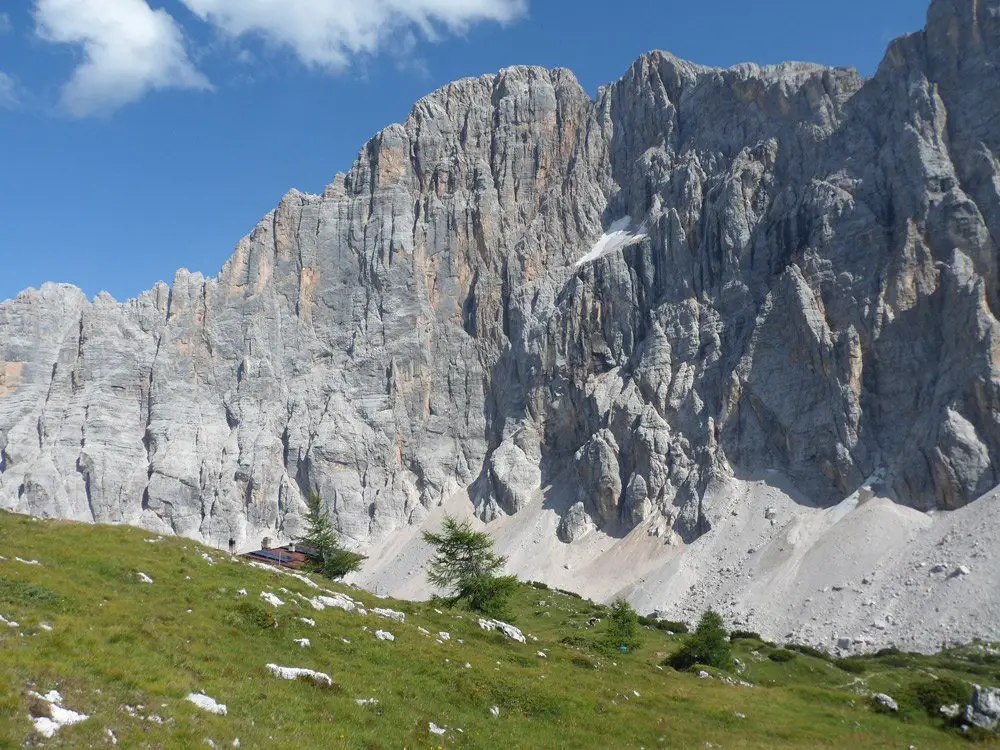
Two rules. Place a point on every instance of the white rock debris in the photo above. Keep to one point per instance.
(281, 571)
(308, 621)
(296, 673)
(58, 716)
(337, 601)
(390, 613)
(271, 599)
(886, 702)
(435, 729)
(506, 628)
(144, 578)
(384, 635)
(205, 703)
(9, 623)
(303, 642)
(27, 562)
(299, 577)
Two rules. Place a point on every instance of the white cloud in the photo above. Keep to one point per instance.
(128, 49)
(4, 23)
(330, 33)
(8, 91)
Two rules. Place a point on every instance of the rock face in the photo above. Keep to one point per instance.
(984, 711)
(701, 272)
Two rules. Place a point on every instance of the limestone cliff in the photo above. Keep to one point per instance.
(700, 272)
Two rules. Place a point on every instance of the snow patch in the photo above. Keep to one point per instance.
(27, 562)
(620, 234)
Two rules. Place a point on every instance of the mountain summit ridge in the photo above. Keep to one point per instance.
(807, 282)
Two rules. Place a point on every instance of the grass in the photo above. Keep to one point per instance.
(117, 642)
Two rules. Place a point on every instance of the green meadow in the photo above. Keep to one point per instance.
(128, 652)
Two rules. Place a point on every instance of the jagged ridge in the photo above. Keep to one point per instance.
(815, 290)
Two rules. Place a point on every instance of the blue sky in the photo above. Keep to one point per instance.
(139, 136)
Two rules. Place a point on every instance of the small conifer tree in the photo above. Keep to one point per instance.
(709, 645)
(334, 560)
(465, 565)
(623, 629)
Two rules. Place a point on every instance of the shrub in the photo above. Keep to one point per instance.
(708, 645)
(623, 627)
(575, 641)
(21, 593)
(569, 593)
(816, 653)
(744, 635)
(539, 585)
(650, 621)
(673, 626)
(946, 691)
(851, 664)
(250, 616)
(781, 655)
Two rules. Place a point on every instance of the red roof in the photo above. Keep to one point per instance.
(279, 557)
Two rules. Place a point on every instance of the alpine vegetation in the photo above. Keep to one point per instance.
(465, 565)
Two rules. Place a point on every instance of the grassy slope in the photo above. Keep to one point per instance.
(117, 641)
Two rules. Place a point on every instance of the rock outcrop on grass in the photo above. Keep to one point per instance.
(984, 709)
